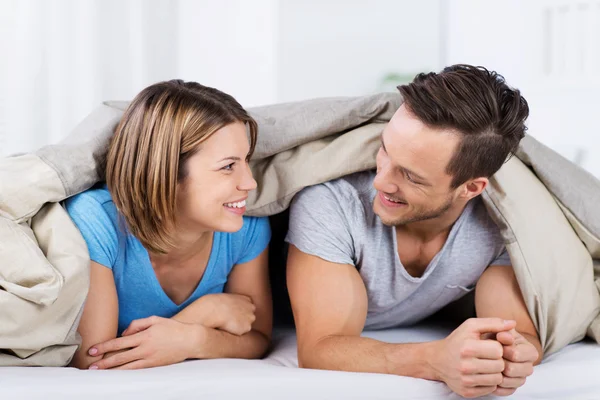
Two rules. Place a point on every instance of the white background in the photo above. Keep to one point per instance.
(61, 58)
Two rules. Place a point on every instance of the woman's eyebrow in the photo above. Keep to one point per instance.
(230, 158)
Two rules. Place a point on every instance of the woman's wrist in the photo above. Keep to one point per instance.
(199, 338)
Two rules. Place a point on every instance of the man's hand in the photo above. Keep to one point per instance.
(148, 342)
(519, 356)
(469, 365)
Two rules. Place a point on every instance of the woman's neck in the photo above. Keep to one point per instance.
(189, 243)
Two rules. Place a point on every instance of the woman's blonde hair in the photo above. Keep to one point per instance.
(160, 130)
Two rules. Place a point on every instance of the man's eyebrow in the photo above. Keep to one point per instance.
(403, 169)
(382, 143)
(415, 175)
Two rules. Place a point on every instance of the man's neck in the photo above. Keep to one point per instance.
(430, 229)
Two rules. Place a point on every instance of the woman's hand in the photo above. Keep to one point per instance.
(148, 342)
(229, 312)
(236, 313)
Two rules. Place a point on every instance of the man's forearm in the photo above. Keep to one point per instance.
(214, 343)
(359, 354)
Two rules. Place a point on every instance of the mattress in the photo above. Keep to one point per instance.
(573, 373)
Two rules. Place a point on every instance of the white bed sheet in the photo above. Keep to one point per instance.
(573, 373)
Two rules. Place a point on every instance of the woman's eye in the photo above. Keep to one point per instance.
(228, 167)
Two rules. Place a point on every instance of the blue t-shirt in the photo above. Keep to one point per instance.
(139, 292)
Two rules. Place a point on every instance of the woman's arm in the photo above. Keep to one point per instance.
(100, 318)
(156, 341)
(249, 279)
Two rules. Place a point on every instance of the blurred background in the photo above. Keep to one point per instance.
(59, 59)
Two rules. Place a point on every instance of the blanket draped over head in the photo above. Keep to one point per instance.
(547, 208)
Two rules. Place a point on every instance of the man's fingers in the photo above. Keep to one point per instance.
(512, 383)
(482, 366)
(480, 380)
(517, 370)
(506, 338)
(489, 325)
(484, 349)
(117, 344)
(472, 392)
(118, 359)
(521, 353)
(504, 391)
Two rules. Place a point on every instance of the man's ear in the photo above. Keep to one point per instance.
(474, 187)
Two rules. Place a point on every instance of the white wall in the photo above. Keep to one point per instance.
(66, 56)
(62, 58)
(345, 47)
(230, 45)
(550, 49)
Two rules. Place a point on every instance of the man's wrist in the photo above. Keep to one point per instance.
(415, 360)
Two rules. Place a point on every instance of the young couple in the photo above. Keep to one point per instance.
(177, 271)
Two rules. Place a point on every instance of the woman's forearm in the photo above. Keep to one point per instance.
(202, 311)
(214, 343)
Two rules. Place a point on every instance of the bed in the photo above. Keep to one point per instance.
(570, 374)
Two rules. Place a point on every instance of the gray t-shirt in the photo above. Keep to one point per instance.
(335, 221)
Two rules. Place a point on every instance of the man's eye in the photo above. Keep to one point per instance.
(410, 178)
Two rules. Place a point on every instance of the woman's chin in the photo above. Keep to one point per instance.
(231, 224)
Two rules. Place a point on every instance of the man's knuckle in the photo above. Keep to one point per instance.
(466, 349)
(529, 370)
(465, 368)
(497, 379)
(516, 355)
(499, 366)
(470, 393)
(467, 381)
(498, 350)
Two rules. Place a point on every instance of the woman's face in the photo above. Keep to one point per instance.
(213, 194)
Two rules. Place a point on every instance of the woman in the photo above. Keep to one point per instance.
(177, 271)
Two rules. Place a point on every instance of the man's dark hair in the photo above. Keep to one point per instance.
(489, 115)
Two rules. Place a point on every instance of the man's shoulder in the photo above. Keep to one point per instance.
(345, 191)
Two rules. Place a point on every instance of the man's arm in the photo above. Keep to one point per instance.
(498, 295)
(329, 302)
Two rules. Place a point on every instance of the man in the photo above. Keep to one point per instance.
(389, 248)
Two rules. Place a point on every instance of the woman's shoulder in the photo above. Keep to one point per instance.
(96, 197)
(94, 206)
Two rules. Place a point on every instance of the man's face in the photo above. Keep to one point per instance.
(412, 182)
